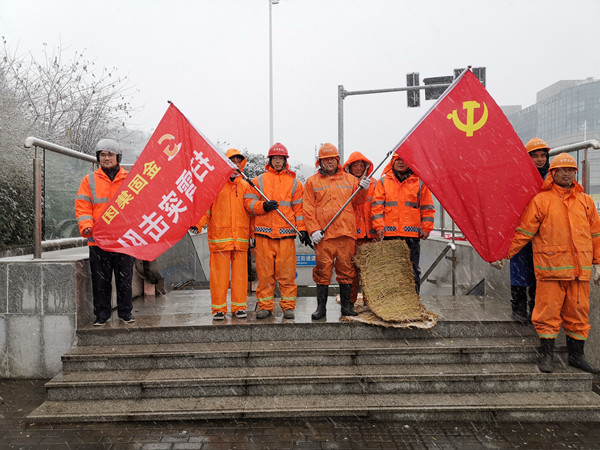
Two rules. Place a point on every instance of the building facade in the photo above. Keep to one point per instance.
(565, 112)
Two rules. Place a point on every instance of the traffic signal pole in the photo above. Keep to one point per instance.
(342, 94)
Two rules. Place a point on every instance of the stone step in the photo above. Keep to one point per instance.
(289, 330)
(310, 380)
(435, 350)
(499, 407)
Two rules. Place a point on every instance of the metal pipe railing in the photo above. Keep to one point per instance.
(585, 168)
(37, 184)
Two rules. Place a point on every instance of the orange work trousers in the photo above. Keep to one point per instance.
(223, 263)
(336, 252)
(565, 302)
(276, 262)
(356, 279)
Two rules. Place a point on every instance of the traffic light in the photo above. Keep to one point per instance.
(479, 72)
(433, 93)
(413, 97)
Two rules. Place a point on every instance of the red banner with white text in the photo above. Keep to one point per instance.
(172, 184)
(468, 154)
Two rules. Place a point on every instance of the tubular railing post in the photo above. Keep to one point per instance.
(453, 262)
(37, 194)
(341, 122)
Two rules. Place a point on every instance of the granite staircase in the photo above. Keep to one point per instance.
(476, 370)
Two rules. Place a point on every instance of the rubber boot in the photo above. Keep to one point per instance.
(518, 302)
(547, 352)
(576, 356)
(322, 290)
(347, 307)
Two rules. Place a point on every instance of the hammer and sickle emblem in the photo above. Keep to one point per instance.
(167, 151)
(470, 126)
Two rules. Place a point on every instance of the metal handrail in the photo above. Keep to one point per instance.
(37, 187)
(585, 168)
(448, 247)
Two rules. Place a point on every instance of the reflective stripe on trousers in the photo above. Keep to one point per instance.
(276, 262)
(222, 263)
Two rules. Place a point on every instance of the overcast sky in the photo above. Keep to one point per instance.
(210, 57)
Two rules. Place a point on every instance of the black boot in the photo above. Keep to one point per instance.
(518, 302)
(576, 356)
(547, 352)
(347, 308)
(322, 290)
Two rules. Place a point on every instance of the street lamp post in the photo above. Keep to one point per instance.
(271, 3)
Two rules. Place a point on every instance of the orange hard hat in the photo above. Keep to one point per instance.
(278, 149)
(563, 160)
(327, 150)
(536, 144)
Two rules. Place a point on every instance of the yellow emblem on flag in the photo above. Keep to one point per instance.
(471, 126)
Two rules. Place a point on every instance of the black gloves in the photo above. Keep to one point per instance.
(305, 238)
(193, 230)
(270, 205)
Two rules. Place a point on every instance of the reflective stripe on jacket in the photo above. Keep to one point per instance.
(402, 208)
(288, 191)
(565, 228)
(324, 195)
(228, 222)
(94, 194)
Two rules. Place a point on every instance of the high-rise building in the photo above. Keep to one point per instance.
(565, 112)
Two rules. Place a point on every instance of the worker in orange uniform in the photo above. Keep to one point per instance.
(325, 194)
(275, 239)
(563, 224)
(228, 226)
(360, 166)
(403, 209)
(522, 275)
(93, 196)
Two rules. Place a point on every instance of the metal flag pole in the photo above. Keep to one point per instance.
(267, 199)
(356, 192)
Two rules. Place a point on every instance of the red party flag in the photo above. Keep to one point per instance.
(173, 182)
(468, 154)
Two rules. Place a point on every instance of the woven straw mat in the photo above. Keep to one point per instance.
(389, 286)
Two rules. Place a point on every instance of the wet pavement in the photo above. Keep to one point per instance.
(19, 397)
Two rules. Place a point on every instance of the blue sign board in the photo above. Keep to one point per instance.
(306, 260)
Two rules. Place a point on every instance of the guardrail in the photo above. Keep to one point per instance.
(37, 188)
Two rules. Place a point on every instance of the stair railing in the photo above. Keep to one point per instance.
(37, 144)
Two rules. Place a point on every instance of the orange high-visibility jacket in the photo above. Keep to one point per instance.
(402, 208)
(324, 195)
(565, 228)
(364, 227)
(93, 197)
(287, 190)
(228, 221)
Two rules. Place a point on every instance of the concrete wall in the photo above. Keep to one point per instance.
(38, 312)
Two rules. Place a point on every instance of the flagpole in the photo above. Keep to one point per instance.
(267, 199)
(356, 191)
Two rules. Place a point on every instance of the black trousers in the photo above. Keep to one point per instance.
(103, 264)
(414, 245)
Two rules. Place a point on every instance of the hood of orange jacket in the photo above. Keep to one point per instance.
(234, 152)
(549, 182)
(358, 156)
